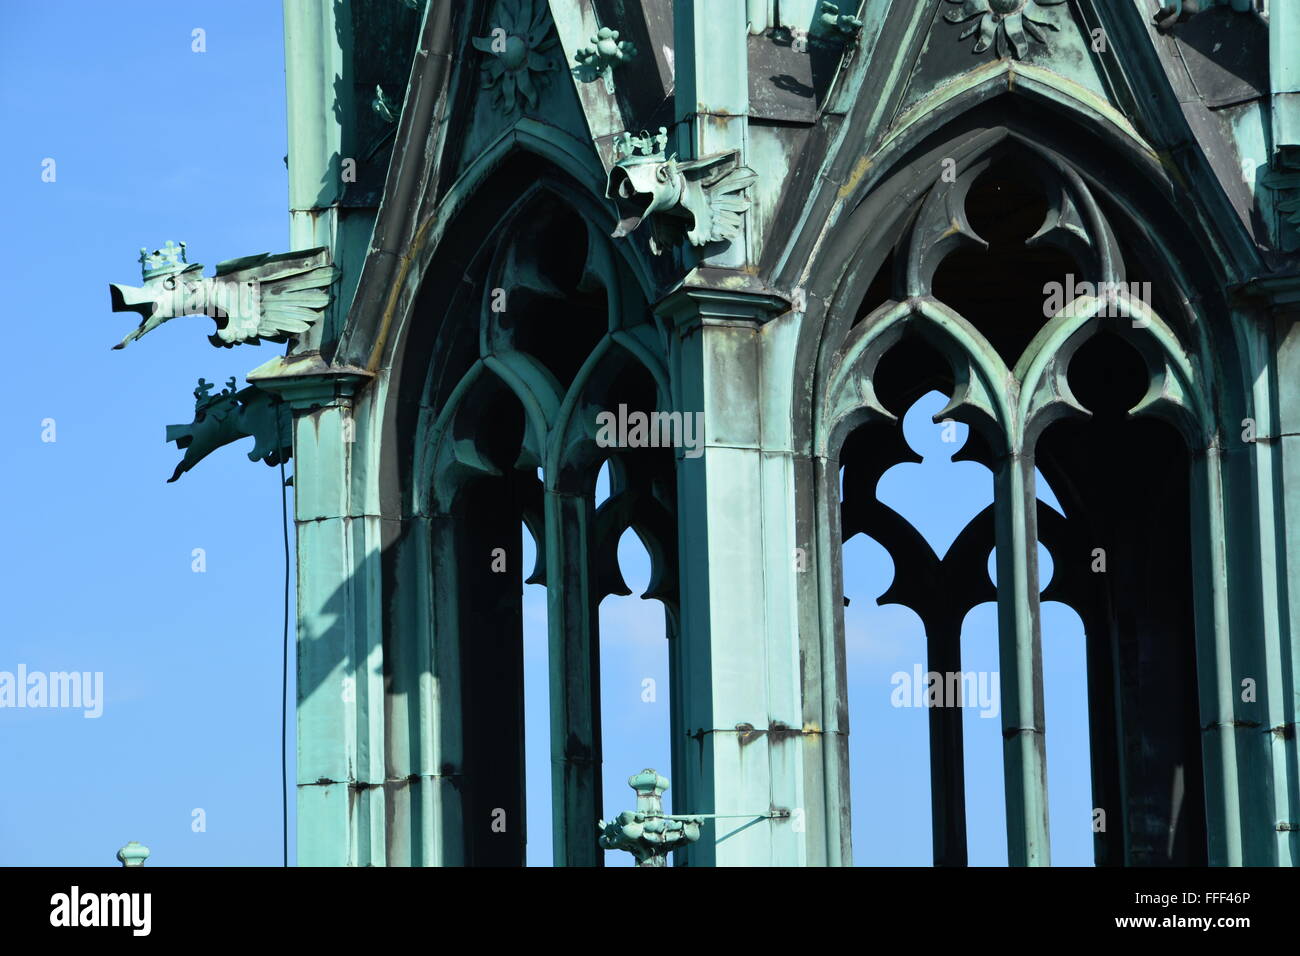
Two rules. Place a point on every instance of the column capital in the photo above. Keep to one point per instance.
(720, 297)
(307, 381)
(1279, 292)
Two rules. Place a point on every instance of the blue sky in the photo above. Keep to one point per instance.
(152, 141)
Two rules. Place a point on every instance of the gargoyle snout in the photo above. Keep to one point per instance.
(640, 191)
(130, 298)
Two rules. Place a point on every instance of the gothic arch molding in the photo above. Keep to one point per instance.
(1011, 407)
(554, 159)
(850, 255)
(978, 372)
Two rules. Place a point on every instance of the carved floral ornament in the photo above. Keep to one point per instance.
(518, 47)
(1006, 24)
(599, 58)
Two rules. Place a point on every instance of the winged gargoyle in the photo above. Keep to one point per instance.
(272, 297)
(228, 416)
(699, 198)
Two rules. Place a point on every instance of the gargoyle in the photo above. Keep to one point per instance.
(700, 198)
(257, 297)
(228, 416)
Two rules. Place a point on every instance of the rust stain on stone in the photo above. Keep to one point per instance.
(859, 170)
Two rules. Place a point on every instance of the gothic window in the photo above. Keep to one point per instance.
(520, 490)
(1012, 293)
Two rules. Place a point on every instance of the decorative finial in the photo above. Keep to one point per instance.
(133, 854)
(646, 832)
(599, 57)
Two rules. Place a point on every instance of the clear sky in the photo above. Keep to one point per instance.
(152, 141)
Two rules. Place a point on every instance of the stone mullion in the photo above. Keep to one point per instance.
(1021, 661)
(442, 798)
(825, 672)
(679, 691)
(1215, 680)
(947, 769)
(573, 625)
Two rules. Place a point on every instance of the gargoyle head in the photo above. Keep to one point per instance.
(641, 186)
(163, 295)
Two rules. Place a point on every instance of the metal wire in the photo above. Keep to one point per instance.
(284, 675)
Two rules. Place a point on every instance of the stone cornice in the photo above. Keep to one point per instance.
(306, 380)
(720, 297)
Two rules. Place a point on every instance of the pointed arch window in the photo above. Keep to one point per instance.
(560, 331)
(1010, 292)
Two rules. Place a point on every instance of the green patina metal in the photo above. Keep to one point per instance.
(598, 59)
(1004, 25)
(646, 832)
(518, 53)
(257, 297)
(133, 854)
(228, 416)
(703, 198)
(824, 223)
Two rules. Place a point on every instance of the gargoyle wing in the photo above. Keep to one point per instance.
(721, 182)
(279, 296)
(727, 205)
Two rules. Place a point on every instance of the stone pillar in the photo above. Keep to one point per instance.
(425, 748)
(340, 775)
(1020, 659)
(739, 693)
(712, 93)
(314, 59)
(1269, 331)
(1284, 514)
(573, 622)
